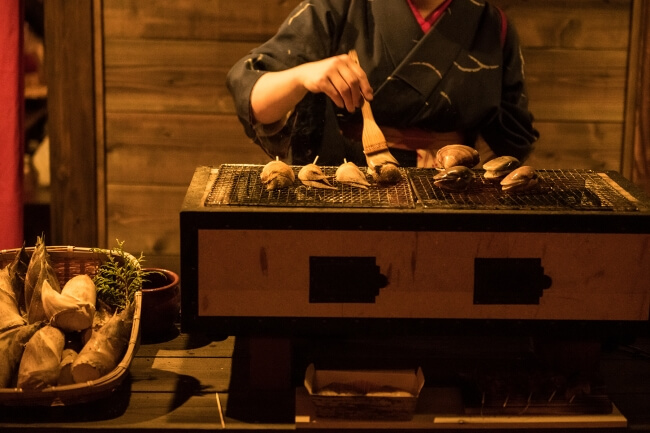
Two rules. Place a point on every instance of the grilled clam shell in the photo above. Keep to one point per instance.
(312, 175)
(454, 155)
(455, 178)
(500, 167)
(350, 174)
(523, 178)
(277, 174)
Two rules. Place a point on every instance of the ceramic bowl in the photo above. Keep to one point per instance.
(161, 301)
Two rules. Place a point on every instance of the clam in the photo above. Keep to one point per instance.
(312, 175)
(348, 173)
(523, 178)
(455, 178)
(454, 155)
(500, 167)
(277, 174)
(388, 174)
(384, 168)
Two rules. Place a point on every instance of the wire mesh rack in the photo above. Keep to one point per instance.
(241, 185)
(556, 190)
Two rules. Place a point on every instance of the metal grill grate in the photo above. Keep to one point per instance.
(241, 185)
(557, 190)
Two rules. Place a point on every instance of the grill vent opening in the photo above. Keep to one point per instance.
(344, 280)
(509, 281)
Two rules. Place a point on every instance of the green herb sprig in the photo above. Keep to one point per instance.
(119, 278)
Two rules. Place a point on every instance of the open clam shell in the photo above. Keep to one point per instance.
(454, 155)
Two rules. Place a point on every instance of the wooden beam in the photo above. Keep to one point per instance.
(633, 72)
(636, 150)
(71, 105)
(100, 122)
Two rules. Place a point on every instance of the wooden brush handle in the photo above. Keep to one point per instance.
(372, 138)
(353, 55)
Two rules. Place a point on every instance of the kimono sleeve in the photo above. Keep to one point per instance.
(510, 131)
(308, 34)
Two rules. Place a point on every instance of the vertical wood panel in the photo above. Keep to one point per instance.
(69, 60)
(100, 123)
(636, 157)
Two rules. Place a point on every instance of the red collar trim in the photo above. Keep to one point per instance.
(427, 23)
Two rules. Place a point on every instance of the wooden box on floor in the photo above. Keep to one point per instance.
(364, 394)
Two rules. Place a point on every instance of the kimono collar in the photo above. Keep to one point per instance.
(406, 44)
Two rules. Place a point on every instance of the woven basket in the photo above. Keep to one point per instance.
(68, 262)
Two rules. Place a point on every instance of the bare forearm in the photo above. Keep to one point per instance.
(275, 94)
(339, 77)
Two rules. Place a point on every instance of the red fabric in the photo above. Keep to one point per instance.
(427, 22)
(504, 27)
(11, 123)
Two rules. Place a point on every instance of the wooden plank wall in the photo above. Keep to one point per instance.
(167, 110)
(576, 67)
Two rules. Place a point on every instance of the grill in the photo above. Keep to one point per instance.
(302, 259)
(558, 190)
(568, 257)
(241, 185)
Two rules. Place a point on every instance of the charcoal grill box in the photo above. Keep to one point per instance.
(301, 260)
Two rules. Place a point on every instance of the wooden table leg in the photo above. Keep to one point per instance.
(261, 389)
(270, 363)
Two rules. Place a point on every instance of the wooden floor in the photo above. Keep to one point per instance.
(180, 382)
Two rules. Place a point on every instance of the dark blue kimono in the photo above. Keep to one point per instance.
(466, 74)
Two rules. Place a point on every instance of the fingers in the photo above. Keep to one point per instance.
(352, 83)
(364, 85)
(347, 87)
(341, 79)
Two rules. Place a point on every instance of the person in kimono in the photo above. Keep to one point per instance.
(435, 72)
